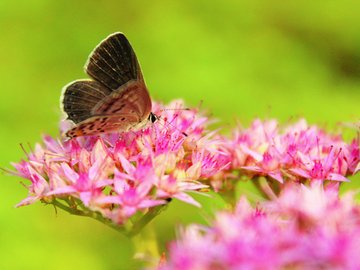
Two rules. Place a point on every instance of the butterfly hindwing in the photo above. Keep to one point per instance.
(113, 62)
(103, 124)
(80, 97)
(133, 99)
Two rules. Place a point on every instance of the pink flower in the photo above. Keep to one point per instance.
(39, 186)
(119, 175)
(298, 152)
(266, 164)
(317, 169)
(305, 228)
(85, 186)
(352, 155)
(171, 187)
(132, 188)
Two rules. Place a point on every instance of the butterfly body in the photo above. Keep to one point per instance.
(116, 99)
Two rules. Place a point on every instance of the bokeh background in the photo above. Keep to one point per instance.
(243, 59)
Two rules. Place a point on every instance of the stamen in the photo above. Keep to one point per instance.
(23, 148)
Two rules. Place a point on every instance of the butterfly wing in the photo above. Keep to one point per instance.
(102, 124)
(133, 99)
(113, 62)
(80, 97)
(118, 88)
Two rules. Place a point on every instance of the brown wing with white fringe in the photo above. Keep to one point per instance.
(117, 92)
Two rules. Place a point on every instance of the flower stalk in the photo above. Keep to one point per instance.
(91, 214)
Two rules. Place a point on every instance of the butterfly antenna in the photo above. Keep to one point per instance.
(171, 124)
(175, 109)
(158, 117)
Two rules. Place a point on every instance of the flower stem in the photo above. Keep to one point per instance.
(146, 247)
(262, 184)
(133, 231)
(144, 220)
(87, 213)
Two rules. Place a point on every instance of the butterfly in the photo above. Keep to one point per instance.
(115, 98)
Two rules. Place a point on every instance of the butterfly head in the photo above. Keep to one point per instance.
(152, 117)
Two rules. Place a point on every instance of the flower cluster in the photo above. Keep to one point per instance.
(305, 228)
(118, 175)
(299, 152)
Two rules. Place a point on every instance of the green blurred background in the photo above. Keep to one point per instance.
(244, 59)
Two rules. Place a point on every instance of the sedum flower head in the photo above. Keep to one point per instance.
(297, 152)
(305, 228)
(118, 175)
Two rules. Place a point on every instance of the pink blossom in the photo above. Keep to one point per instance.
(39, 186)
(266, 164)
(132, 187)
(352, 155)
(297, 152)
(318, 169)
(170, 187)
(305, 228)
(119, 175)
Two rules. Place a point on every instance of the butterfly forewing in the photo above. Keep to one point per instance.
(116, 100)
(113, 62)
(133, 99)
